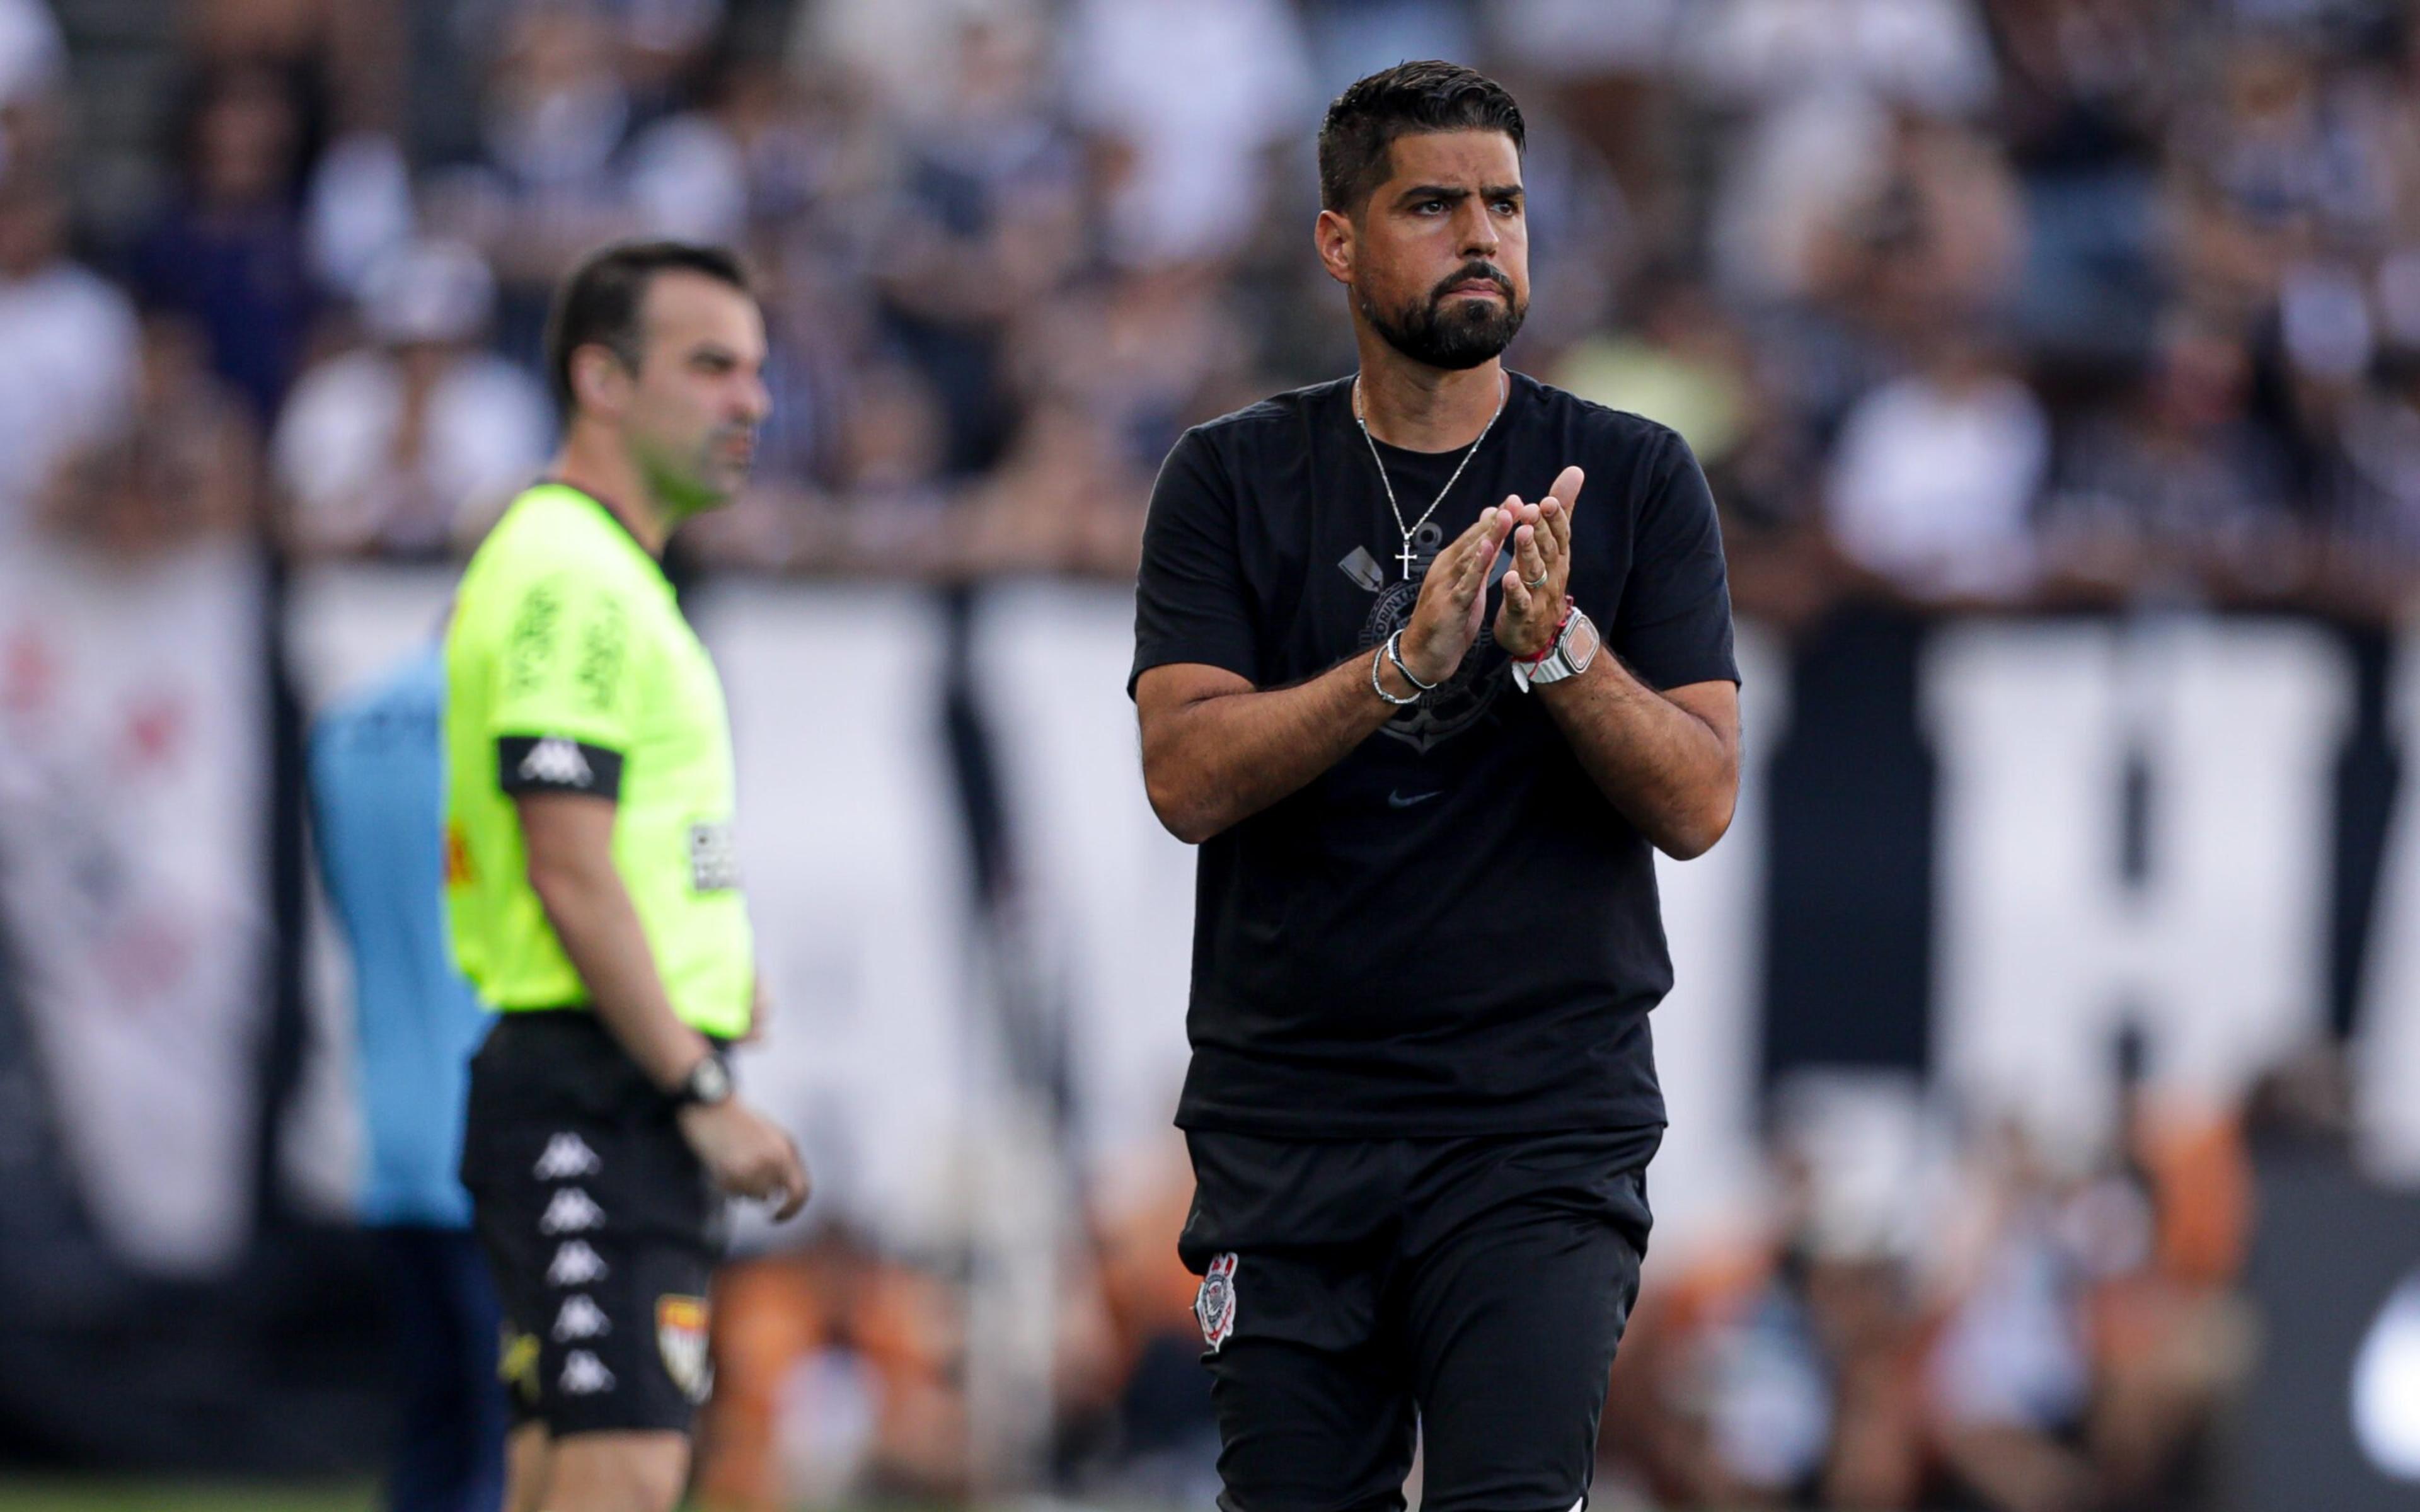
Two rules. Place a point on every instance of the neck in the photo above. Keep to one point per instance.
(603, 468)
(1424, 408)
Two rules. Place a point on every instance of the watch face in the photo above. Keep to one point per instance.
(1582, 647)
(712, 1081)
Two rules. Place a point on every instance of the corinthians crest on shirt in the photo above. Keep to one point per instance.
(681, 1339)
(1214, 1306)
(1461, 699)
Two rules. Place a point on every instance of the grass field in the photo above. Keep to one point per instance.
(79, 1495)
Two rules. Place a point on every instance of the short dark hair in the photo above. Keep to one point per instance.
(1410, 97)
(599, 304)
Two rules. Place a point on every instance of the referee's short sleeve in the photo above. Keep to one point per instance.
(1674, 627)
(1191, 603)
(567, 701)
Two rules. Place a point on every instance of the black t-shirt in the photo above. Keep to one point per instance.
(1450, 931)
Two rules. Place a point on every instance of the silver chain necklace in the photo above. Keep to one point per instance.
(1404, 556)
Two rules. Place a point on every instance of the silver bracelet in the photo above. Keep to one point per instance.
(1380, 688)
(1395, 654)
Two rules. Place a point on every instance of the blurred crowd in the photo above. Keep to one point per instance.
(2060, 302)
(1961, 303)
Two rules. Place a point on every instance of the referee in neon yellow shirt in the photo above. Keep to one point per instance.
(593, 893)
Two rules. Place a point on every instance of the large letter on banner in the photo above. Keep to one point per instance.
(2387, 1039)
(852, 859)
(2046, 946)
(1706, 1030)
(1110, 893)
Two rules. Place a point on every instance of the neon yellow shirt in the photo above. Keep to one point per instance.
(569, 669)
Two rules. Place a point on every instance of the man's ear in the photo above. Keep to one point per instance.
(599, 379)
(1333, 233)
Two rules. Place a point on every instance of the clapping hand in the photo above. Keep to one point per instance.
(1536, 588)
(1454, 597)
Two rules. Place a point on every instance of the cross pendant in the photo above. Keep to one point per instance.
(1405, 556)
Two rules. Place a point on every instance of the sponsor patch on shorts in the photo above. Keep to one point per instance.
(681, 1338)
(516, 1363)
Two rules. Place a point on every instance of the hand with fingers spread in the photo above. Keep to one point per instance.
(1453, 598)
(1536, 588)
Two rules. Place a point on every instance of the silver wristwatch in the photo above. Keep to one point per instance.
(708, 1083)
(1576, 646)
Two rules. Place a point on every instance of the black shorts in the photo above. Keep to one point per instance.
(601, 1224)
(1480, 1284)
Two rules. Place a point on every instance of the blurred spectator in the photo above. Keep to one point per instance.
(987, 224)
(340, 55)
(2275, 166)
(179, 463)
(2372, 482)
(1802, 1393)
(1141, 353)
(33, 65)
(1934, 237)
(1934, 479)
(890, 48)
(410, 446)
(377, 775)
(1684, 363)
(888, 484)
(2008, 1379)
(2178, 480)
(71, 378)
(359, 208)
(554, 115)
(1347, 39)
(1818, 83)
(228, 251)
(1187, 168)
(2086, 88)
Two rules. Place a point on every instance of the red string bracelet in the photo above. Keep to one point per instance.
(1553, 640)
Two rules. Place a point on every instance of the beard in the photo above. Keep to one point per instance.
(1451, 335)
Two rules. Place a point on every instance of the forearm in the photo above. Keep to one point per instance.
(1669, 772)
(598, 925)
(1219, 760)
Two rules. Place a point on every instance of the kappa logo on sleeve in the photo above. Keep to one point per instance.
(1214, 1306)
(557, 763)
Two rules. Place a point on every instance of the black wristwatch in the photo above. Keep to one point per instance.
(708, 1083)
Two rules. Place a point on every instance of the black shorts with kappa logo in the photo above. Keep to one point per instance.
(601, 1225)
(1351, 1288)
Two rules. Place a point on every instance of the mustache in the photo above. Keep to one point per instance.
(1476, 272)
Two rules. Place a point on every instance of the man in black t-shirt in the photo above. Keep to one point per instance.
(1422, 1097)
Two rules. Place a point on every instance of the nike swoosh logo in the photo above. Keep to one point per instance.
(1396, 800)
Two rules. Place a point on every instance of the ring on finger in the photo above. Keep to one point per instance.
(1538, 582)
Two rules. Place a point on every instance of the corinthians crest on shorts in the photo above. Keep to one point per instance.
(1214, 1306)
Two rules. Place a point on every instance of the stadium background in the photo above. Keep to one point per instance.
(2047, 1065)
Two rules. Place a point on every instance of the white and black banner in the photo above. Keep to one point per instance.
(134, 769)
(1977, 853)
